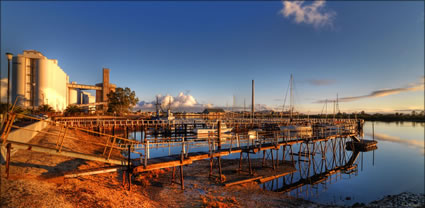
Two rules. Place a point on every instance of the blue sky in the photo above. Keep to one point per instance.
(212, 50)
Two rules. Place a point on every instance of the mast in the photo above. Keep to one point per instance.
(244, 107)
(233, 106)
(169, 103)
(169, 107)
(291, 102)
(326, 108)
(157, 107)
(337, 104)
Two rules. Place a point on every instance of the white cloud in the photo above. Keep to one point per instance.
(181, 102)
(312, 13)
(382, 93)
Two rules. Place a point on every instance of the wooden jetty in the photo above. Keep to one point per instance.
(270, 142)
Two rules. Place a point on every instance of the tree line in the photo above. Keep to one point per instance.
(411, 116)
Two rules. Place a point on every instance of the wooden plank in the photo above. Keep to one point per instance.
(52, 151)
(92, 172)
(161, 165)
(242, 181)
(265, 179)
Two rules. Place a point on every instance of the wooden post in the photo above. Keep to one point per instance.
(211, 166)
(144, 134)
(181, 177)
(240, 162)
(146, 154)
(123, 178)
(249, 163)
(135, 133)
(219, 168)
(8, 147)
(237, 137)
(174, 174)
(277, 157)
(112, 147)
(181, 168)
(231, 144)
(219, 134)
(129, 168)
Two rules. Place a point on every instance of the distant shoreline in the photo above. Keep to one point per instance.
(395, 120)
(397, 117)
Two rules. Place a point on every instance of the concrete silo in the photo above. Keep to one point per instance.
(38, 80)
(18, 86)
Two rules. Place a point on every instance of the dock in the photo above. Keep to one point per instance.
(277, 146)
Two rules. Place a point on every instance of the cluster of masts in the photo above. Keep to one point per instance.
(159, 109)
(291, 109)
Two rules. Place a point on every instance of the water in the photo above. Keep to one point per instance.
(396, 166)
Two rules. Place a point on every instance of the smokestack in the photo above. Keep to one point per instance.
(253, 99)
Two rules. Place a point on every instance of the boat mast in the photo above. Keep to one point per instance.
(326, 108)
(337, 104)
(291, 102)
(157, 107)
(233, 107)
(244, 107)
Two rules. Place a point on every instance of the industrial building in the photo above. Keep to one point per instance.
(37, 80)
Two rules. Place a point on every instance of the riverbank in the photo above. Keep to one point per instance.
(36, 180)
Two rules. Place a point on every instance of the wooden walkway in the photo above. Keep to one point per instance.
(185, 159)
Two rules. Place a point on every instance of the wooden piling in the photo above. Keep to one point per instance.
(8, 147)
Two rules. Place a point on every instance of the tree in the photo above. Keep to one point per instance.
(45, 109)
(121, 100)
(72, 110)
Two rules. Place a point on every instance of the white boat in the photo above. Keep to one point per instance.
(293, 130)
(224, 130)
(252, 134)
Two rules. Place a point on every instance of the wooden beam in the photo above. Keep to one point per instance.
(52, 151)
(92, 172)
(242, 181)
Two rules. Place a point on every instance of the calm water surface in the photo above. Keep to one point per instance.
(396, 166)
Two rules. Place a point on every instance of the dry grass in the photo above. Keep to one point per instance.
(209, 201)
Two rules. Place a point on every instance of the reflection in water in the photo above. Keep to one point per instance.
(410, 142)
(325, 163)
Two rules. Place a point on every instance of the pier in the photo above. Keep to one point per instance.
(279, 147)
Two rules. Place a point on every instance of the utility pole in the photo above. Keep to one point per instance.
(244, 107)
(9, 57)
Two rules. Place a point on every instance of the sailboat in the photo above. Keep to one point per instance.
(168, 116)
(302, 129)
